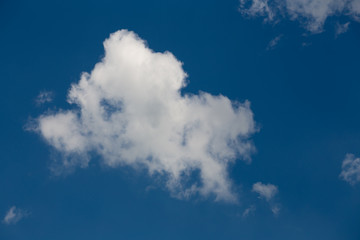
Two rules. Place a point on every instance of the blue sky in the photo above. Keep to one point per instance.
(148, 149)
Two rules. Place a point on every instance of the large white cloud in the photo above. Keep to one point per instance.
(130, 111)
(311, 13)
(350, 169)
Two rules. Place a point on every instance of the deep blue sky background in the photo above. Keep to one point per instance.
(306, 100)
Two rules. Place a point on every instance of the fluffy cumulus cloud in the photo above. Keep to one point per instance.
(311, 13)
(130, 111)
(267, 192)
(14, 215)
(350, 169)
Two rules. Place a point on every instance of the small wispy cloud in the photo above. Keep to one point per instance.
(14, 215)
(267, 192)
(275, 209)
(311, 14)
(341, 28)
(350, 169)
(306, 44)
(248, 211)
(274, 42)
(44, 97)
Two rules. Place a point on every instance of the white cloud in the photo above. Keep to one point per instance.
(258, 8)
(248, 211)
(341, 28)
(14, 215)
(267, 191)
(350, 169)
(130, 111)
(275, 41)
(311, 13)
(44, 97)
(275, 209)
